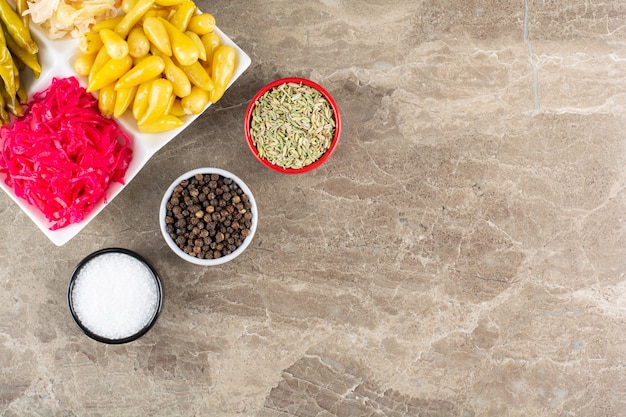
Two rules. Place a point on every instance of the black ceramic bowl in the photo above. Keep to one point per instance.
(87, 278)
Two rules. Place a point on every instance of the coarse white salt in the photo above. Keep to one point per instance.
(115, 295)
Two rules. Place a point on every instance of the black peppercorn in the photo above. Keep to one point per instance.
(208, 216)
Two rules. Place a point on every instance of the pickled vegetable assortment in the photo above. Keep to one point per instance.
(18, 51)
(62, 154)
(161, 60)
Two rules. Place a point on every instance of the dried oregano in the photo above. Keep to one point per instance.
(292, 125)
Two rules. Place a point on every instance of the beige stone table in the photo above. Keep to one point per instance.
(463, 252)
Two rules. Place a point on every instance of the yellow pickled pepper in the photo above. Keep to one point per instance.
(177, 108)
(168, 3)
(127, 5)
(222, 70)
(159, 98)
(210, 41)
(183, 48)
(157, 34)
(106, 100)
(110, 23)
(138, 43)
(202, 23)
(133, 16)
(199, 45)
(180, 81)
(83, 64)
(89, 43)
(116, 47)
(123, 100)
(140, 102)
(198, 75)
(183, 14)
(196, 101)
(110, 72)
(101, 58)
(161, 124)
(145, 70)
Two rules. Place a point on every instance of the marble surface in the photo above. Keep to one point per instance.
(463, 252)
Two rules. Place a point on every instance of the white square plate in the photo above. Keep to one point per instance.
(56, 58)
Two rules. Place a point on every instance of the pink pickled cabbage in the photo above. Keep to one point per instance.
(62, 154)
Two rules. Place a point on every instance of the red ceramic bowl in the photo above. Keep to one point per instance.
(333, 143)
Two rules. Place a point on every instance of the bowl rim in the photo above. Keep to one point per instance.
(172, 244)
(333, 145)
(85, 329)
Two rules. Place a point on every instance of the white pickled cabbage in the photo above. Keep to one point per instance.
(60, 18)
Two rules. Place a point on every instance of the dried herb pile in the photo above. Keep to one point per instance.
(292, 125)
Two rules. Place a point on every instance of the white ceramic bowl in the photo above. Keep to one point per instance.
(174, 246)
